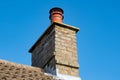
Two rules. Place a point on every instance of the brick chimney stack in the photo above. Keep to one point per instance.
(56, 51)
(56, 15)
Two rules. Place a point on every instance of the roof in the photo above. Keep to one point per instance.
(13, 71)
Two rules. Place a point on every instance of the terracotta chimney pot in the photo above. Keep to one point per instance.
(56, 15)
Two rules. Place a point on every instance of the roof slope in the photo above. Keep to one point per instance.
(13, 71)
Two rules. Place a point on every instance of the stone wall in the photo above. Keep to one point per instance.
(56, 50)
(44, 52)
(67, 70)
(65, 46)
(66, 50)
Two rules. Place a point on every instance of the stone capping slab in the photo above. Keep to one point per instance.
(48, 31)
(67, 26)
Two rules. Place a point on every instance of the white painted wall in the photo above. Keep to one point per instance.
(67, 77)
(63, 76)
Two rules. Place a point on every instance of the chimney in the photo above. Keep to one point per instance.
(56, 15)
(55, 51)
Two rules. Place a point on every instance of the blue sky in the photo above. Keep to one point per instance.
(98, 41)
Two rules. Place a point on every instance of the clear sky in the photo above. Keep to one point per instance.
(98, 41)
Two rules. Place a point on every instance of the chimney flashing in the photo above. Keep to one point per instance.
(49, 29)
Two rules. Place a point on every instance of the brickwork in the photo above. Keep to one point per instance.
(44, 50)
(66, 51)
(56, 49)
(65, 46)
(67, 70)
(13, 71)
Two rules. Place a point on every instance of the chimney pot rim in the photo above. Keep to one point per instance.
(56, 8)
